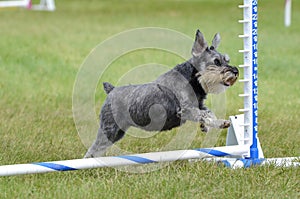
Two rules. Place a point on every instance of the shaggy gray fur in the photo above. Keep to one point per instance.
(169, 101)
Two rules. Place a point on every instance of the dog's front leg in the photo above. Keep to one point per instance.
(205, 117)
(204, 128)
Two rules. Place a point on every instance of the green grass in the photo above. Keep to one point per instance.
(41, 53)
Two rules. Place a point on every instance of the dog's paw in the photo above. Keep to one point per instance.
(218, 123)
(88, 156)
(224, 124)
(204, 128)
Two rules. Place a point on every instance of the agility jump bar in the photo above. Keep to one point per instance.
(114, 161)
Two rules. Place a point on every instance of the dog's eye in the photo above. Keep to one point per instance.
(217, 62)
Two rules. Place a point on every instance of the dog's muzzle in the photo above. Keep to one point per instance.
(230, 75)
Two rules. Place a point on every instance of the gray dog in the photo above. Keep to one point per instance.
(169, 101)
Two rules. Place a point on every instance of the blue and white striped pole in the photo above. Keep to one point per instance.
(253, 147)
(144, 158)
(250, 76)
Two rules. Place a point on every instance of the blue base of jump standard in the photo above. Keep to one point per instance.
(248, 162)
(243, 162)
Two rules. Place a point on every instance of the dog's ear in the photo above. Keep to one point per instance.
(216, 41)
(200, 44)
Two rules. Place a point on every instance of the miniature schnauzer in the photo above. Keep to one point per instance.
(171, 100)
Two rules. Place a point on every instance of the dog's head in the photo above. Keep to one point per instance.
(214, 72)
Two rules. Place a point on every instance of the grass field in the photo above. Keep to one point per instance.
(41, 53)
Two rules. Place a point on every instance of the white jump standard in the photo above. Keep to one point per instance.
(17, 3)
(46, 5)
(244, 129)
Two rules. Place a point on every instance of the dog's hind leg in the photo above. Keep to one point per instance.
(105, 139)
(109, 131)
(99, 146)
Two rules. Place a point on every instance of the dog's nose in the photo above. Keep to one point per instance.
(235, 70)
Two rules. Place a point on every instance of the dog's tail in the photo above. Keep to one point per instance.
(108, 87)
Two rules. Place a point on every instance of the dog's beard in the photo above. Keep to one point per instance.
(216, 79)
(212, 82)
